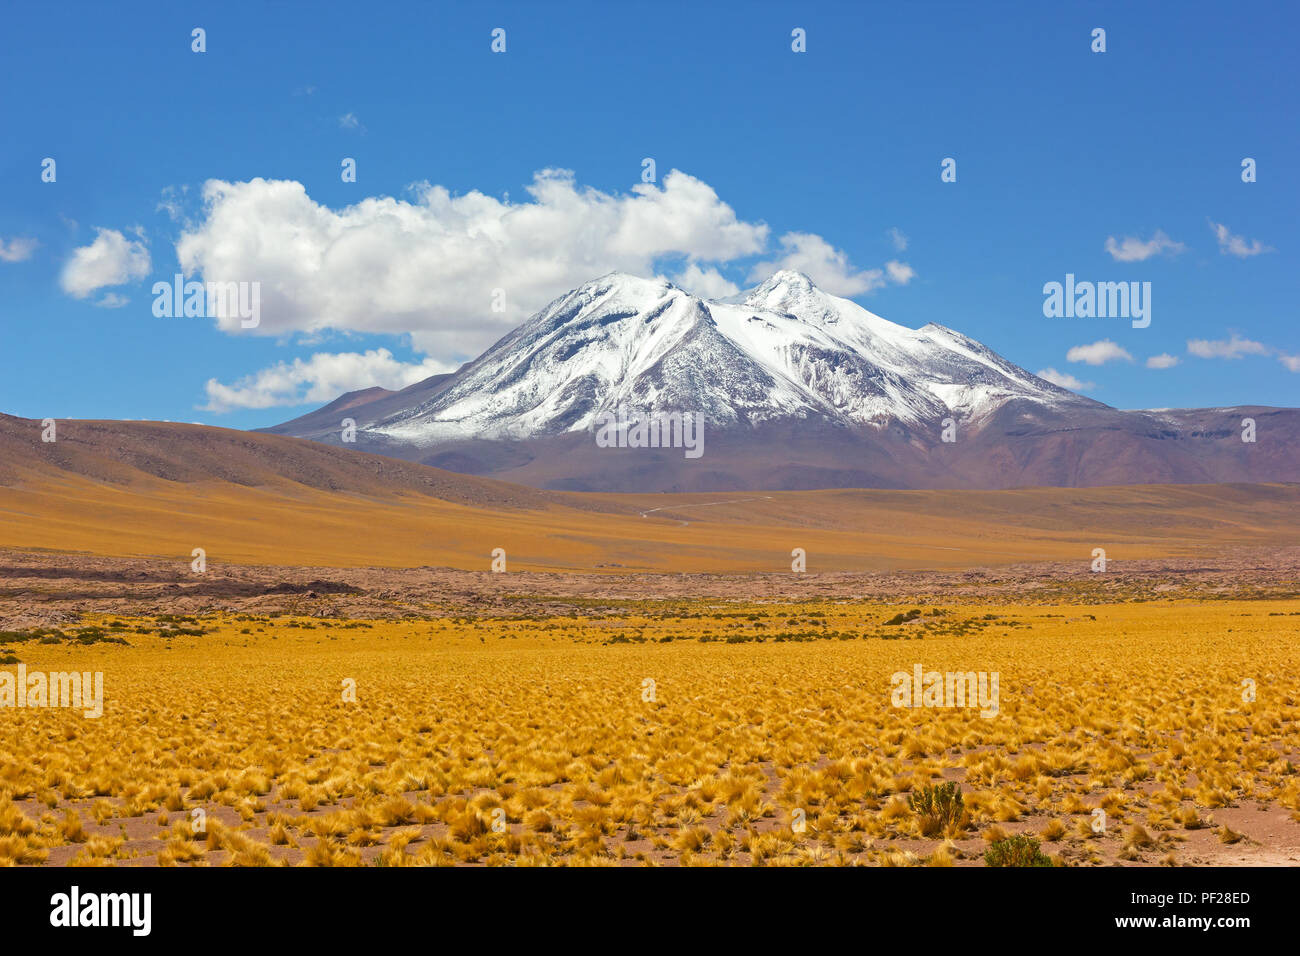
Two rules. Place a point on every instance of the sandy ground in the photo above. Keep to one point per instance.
(50, 589)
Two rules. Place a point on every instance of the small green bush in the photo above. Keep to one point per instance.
(903, 618)
(1018, 850)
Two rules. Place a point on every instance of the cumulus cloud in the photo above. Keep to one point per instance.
(17, 250)
(431, 266)
(1065, 380)
(319, 379)
(1239, 246)
(1163, 360)
(112, 259)
(705, 283)
(1233, 348)
(1133, 249)
(829, 267)
(1292, 362)
(898, 239)
(1098, 353)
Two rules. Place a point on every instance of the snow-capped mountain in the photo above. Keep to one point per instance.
(788, 350)
(796, 388)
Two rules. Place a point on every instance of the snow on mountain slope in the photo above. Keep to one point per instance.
(787, 350)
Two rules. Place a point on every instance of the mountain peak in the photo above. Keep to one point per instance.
(787, 353)
(787, 290)
(789, 278)
(832, 394)
(626, 280)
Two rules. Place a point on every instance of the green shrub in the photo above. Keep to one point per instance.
(903, 618)
(1018, 850)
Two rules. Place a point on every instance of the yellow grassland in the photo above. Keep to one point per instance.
(1134, 708)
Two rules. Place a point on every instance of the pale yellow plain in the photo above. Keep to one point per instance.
(290, 524)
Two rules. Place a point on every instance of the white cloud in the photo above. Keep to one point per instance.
(430, 266)
(899, 272)
(350, 121)
(1233, 348)
(1133, 249)
(1065, 380)
(1163, 360)
(829, 267)
(1098, 353)
(1230, 245)
(111, 259)
(898, 239)
(319, 379)
(705, 283)
(1236, 347)
(172, 201)
(17, 250)
(111, 300)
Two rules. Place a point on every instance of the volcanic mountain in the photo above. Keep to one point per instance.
(797, 389)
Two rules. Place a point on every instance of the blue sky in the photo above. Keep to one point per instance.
(827, 160)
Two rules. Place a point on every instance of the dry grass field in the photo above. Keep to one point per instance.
(767, 736)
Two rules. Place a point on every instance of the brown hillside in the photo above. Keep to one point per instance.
(151, 489)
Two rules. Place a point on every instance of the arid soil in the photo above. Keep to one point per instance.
(49, 589)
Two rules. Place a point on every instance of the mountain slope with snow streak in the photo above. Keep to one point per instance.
(789, 350)
(797, 389)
